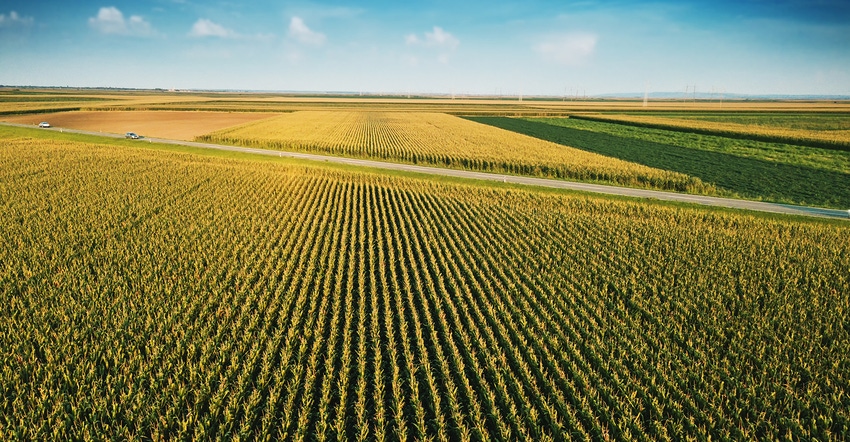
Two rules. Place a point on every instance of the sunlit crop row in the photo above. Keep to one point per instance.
(443, 140)
(154, 295)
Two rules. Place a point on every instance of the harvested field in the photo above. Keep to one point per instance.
(162, 124)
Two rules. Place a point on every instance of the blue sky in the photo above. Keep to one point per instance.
(463, 47)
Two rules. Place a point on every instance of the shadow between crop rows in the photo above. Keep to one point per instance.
(748, 177)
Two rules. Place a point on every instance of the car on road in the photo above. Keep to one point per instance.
(131, 135)
(44, 124)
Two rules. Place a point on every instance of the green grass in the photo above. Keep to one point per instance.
(764, 133)
(817, 158)
(754, 170)
(806, 121)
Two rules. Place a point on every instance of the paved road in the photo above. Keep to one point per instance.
(541, 182)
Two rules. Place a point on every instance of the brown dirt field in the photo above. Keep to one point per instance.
(160, 124)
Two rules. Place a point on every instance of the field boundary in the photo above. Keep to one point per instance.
(729, 203)
(39, 111)
(730, 133)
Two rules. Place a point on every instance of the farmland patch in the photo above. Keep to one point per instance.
(789, 174)
(177, 125)
(156, 295)
(444, 140)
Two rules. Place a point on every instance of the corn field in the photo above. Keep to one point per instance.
(444, 140)
(157, 295)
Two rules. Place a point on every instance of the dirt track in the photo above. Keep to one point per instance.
(173, 125)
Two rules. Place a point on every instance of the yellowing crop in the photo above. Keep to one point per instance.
(444, 140)
(151, 295)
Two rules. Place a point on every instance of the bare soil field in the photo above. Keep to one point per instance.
(161, 124)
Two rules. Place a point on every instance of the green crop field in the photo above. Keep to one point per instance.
(153, 295)
(747, 168)
(815, 121)
(801, 129)
(814, 158)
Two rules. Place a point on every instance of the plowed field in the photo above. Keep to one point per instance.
(162, 124)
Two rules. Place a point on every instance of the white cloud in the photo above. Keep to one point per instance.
(570, 50)
(206, 28)
(14, 19)
(441, 38)
(139, 26)
(110, 20)
(300, 32)
(437, 38)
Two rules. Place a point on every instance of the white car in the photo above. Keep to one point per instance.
(44, 124)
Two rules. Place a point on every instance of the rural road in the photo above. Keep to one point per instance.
(530, 181)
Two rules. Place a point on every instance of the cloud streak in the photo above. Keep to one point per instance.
(569, 50)
(207, 28)
(303, 34)
(14, 19)
(437, 38)
(110, 20)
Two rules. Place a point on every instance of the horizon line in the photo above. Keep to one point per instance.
(658, 95)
